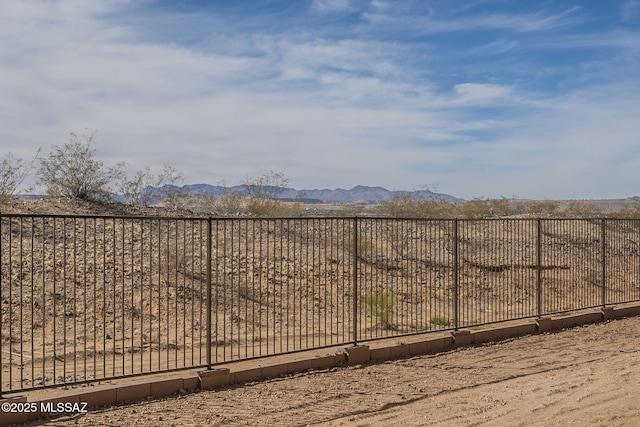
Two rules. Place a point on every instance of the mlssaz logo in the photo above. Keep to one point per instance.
(63, 407)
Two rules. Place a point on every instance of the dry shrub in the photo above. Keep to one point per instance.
(545, 208)
(581, 209)
(405, 206)
(480, 207)
(629, 211)
(273, 208)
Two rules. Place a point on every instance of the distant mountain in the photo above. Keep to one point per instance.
(338, 195)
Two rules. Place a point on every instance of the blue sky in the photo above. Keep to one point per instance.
(482, 98)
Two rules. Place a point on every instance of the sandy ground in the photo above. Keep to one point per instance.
(587, 376)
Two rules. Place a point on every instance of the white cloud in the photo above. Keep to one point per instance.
(430, 22)
(325, 6)
(380, 5)
(629, 10)
(499, 46)
(480, 92)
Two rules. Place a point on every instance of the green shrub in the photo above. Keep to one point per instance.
(440, 321)
(381, 304)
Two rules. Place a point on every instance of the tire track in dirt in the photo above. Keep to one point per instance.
(599, 390)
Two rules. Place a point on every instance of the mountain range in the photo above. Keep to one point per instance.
(361, 193)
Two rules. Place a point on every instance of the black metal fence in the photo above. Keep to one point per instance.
(85, 298)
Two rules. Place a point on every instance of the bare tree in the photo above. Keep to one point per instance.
(73, 171)
(263, 193)
(172, 187)
(145, 187)
(13, 172)
(136, 191)
(267, 186)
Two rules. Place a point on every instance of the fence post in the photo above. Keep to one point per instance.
(456, 277)
(355, 280)
(539, 267)
(604, 263)
(209, 264)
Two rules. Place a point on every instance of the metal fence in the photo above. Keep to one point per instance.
(85, 298)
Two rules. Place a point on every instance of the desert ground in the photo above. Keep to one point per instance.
(585, 376)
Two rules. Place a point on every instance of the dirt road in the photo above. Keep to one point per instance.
(587, 376)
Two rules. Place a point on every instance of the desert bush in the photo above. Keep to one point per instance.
(259, 199)
(480, 207)
(146, 188)
(406, 206)
(475, 208)
(73, 171)
(267, 186)
(13, 172)
(544, 208)
(229, 203)
(581, 209)
(262, 196)
(403, 206)
(274, 208)
(381, 306)
(439, 321)
(632, 211)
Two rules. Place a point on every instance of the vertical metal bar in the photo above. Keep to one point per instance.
(228, 294)
(324, 237)
(124, 286)
(539, 267)
(132, 241)
(84, 295)
(355, 280)
(184, 291)
(209, 331)
(150, 279)
(114, 281)
(604, 263)
(252, 292)
(456, 277)
(290, 278)
(160, 264)
(64, 300)
(75, 298)
(201, 265)
(262, 281)
(172, 228)
(218, 280)
(55, 340)
(33, 297)
(21, 246)
(284, 308)
(310, 283)
(269, 312)
(95, 275)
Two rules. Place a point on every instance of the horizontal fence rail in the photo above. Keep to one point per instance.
(86, 298)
